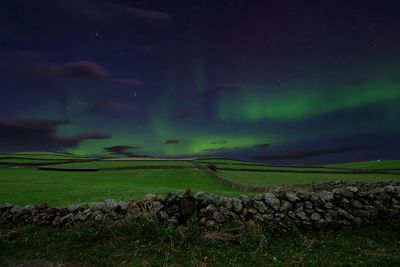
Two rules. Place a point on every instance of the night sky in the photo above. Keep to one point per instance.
(275, 81)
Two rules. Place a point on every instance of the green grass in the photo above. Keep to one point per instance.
(32, 186)
(43, 155)
(279, 168)
(238, 164)
(124, 163)
(275, 178)
(147, 243)
(224, 161)
(29, 185)
(384, 164)
(21, 158)
(20, 161)
(48, 157)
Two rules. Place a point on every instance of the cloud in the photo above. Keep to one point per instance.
(131, 82)
(75, 140)
(309, 153)
(172, 142)
(113, 106)
(220, 149)
(30, 68)
(263, 146)
(121, 150)
(80, 70)
(39, 134)
(219, 142)
(107, 12)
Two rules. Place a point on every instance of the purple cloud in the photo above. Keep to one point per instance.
(108, 12)
(121, 150)
(172, 142)
(30, 68)
(39, 134)
(81, 70)
(262, 146)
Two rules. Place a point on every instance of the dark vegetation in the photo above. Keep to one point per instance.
(212, 167)
(143, 242)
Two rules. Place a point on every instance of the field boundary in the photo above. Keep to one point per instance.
(240, 187)
(117, 168)
(321, 172)
(251, 163)
(35, 164)
(68, 169)
(316, 186)
(372, 203)
(33, 159)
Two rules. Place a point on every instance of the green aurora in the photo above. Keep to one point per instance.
(254, 108)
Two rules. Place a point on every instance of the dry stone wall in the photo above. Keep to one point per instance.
(344, 205)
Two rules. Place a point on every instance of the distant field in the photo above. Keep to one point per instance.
(115, 164)
(30, 185)
(277, 168)
(24, 186)
(21, 161)
(44, 155)
(389, 166)
(38, 158)
(224, 161)
(384, 164)
(274, 178)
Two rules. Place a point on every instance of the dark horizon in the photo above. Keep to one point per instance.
(284, 82)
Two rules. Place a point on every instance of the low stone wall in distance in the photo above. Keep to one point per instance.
(342, 206)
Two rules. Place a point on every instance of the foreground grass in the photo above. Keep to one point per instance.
(146, 243)
(32, 186)
(275, 178)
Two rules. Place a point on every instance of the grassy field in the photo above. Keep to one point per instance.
(231, 163)
(275, 178)
(279, 168)
(38, 158)
(32, 186)
(146, 243)
(21, 161)
(43, 155)
(384, 164)
(224, 161)
(20, 185)
(113, 164)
